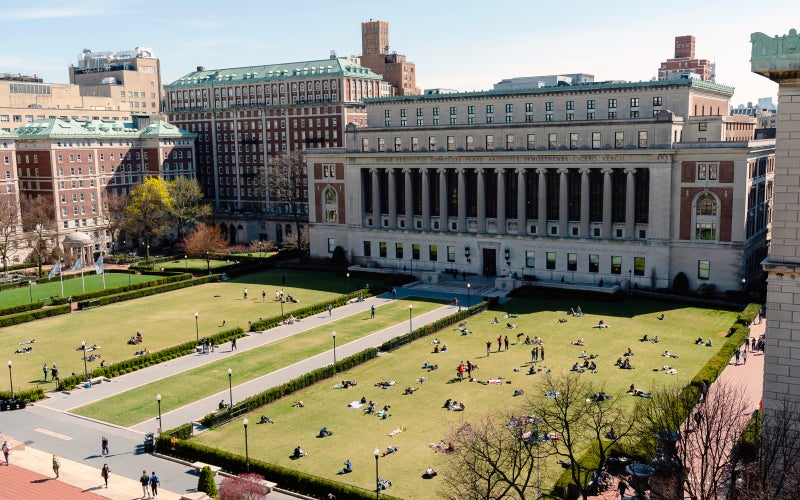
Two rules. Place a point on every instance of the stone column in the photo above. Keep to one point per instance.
(563, 203)
(585, 203)
(481, 202)
(630, 213)
(426, 199)
(443, 224)
(409, 197)
(462, 200)
(606, 233)
(542, 201)
(522, 223)
(392, 200)
(376, 198)
(778, 59)
(501, 200)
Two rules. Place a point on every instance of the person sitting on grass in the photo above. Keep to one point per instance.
(626, 365)
(601, 324)
(324, 432)
(709, 343)
(582, 354)
(655, 339)
(266, 420)
(298, 404)
(629, 352)
(527, 340)
(390, 450)
(644, 339)
(562, 320)
(429, 473)
(348, 467)
(699, 341)
(668, 354)
(298, 452)
(578, 342)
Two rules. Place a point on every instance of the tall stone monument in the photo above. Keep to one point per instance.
(778, 58)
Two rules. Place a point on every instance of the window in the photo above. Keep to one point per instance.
(453, 111)
(701, 172)
(415, 251)
(712, 171)
(489, 109)
(612, 115)
(595, 140)
(594, 263)
(548, 106)
(382, 248)
(702, 126)
(451, 143)
(703, 269)
(471, 110)
(550, 260)
(331, 200)
(642, 138)
(529, 107)
(531, 141)
(451, 253)
(432, 143)
(551, 141)
(572, 262)
(590, 115)
(435, 112)
(616, 264)
(331, 244)
(470, 142)
(398, 144)
(634, 113)
(367, 249)
(415, 144)
(590, 104)
(364, 145)
(657, 101)
(509, 108)
(489, 143)
(612, 103)
(619, 140)
(398, 250)
(433, 253)
(634, 102)
(573, 140)
(570, 105)
(638, 266)
(510, 142)
(705, 231)
(530, 258)
(548, 117)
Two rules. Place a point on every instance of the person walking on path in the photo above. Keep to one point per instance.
(56, 466)
(263, 295)
(233, 344)
(6, 451)
(540, 357)
(533, 355)
(330, 310)
(505, 341)
(394, 293)
(104, 446)
(499, 343)
(104, 473)
(460, 371)
(54, 372)
(154, 484)
(744, 356)
(45, 369)
(469, 369)
(488, 347)
(736, 354)
(145, 481)
(372, 311)
(245, 293)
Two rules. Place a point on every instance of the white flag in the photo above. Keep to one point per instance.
(98, 265)
(55, 270)
(78, 264)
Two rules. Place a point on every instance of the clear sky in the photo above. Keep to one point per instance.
(457, 44)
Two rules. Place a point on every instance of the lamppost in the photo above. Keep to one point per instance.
(30, 290)
(348, 282)
(469, 288)
(148, 252)
(197, 326)
(85, 370)
(186, 261)
(208, 262)
(10, 379)
(160, 425)
(282, 308)
(246, 451)
(334, 349)
(410, 308)
(230, 389)
(630, 277)
(377, 453)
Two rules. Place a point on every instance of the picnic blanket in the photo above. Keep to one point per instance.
(355, 404)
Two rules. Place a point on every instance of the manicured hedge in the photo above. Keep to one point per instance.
(24, 317)
(21, 308)
(151, 290)
(134, 364)
(304, 312)
(430, 328)
(124, 288)
(28, 395)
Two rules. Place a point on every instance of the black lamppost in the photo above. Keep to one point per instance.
(334, 350)
(410, 308)
(348, 282)
(186, 261)
(282, 308)
(377, 453)
(469, 288)
(10, 379)
(197, 326)
(85, 370)
(148, 252)
(160, 425)
(630, 277)
(30, 290)
(246, 451)
(230, 389)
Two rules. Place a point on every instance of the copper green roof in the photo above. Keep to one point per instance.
(55, 128)
(274, 72)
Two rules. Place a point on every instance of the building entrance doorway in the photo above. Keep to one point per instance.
(489, 262)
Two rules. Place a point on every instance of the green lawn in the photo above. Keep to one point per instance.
(164, 320)
(181, 263)
(43, 291)
(356, 434)
(134, 406)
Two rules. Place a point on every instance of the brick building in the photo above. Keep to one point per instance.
(376, 55)
(685, 62)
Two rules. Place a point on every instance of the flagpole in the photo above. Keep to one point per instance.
(83, 282)
(61, 275)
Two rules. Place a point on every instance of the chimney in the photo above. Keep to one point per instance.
(201, 68)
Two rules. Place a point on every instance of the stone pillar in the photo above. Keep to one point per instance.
(481, 201)
(443, 224)
(563, 203)
(522, 223)
(778, 59)
(630, 204)
(462, 200)
(606, 233)
(392, 200)
(409, 197)
(585, 226)
(376, 198)
(426, 199)
(501, 200)
(542, 201)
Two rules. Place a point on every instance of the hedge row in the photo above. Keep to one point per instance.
(28, 395)
(639, 451)
(21, 308)
(304, 312)
(124, 288)
(430, 328)
(24, 317)
(147, 291)
(134, 364)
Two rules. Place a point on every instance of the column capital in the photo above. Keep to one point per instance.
(607, 171)
(585, 170)
(441, 171)
(500, 171)
(423, 170)
(461, 171)
(480, 170)
(630, 171)
(520, 170)
(374, 170)
(406, 170)
(563, 171)
(541, 171)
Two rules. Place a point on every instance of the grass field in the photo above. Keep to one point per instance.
(178, 264)
(164, 320)
(356, 434)
(133, 406)
(43, 291)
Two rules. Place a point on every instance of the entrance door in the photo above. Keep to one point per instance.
(489, 262)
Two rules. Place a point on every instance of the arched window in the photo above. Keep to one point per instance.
(705, 217)
(331, 205)
(706, 205)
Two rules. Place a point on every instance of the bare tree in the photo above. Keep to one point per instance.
(39, 225)
(243, 487)
(585, 422)
(699, 452)
(187, 208)
(9, 227)
(115, 217)
(495, 457)
(261, 247)
(287, 184)
(205, 242)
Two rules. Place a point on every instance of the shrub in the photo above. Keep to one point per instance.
(680, 283)
(24, 317)
(206, 482)
(706, 289)
(243, 487)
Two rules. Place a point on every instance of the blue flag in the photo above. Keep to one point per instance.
(56, 269)
(98, 265)
(78, 264)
